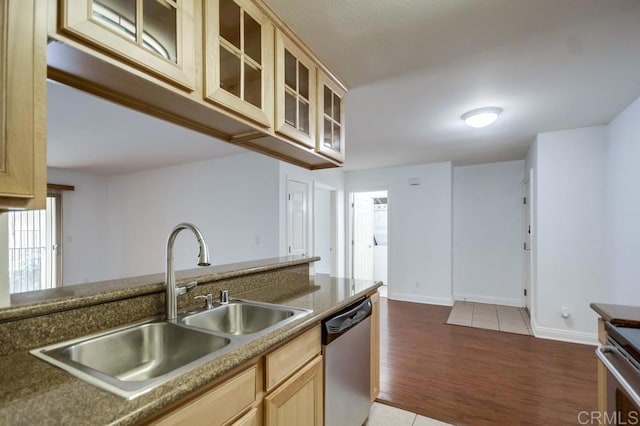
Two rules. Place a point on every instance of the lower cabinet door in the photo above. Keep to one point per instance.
(218, 406)
(249, 419)
(299, 400)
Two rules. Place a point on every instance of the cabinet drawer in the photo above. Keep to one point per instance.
(218, 406)
(284, 361)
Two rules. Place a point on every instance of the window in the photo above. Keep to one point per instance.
(34, 248)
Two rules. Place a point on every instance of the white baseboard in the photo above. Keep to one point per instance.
(505, 301)
(419, 298)
(564, 335)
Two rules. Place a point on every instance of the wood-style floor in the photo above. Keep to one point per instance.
(469, 376)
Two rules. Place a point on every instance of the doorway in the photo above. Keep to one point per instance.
(296, 218)
(324, 229)
(369, 254)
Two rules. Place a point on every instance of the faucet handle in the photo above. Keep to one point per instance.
(208, 298)
(224, 297)
(183, 290)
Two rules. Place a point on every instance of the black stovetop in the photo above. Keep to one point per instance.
(627, 337)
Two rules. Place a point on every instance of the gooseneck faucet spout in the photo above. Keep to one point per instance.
(171, 292)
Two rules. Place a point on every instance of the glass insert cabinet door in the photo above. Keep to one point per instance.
(157, 36)
(295, 92)
(330, 118)
(239, 59)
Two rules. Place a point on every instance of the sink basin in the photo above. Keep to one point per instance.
(241, 317)
(134, 360)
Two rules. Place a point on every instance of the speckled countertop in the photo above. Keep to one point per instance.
(34, 392)
(618, 314)
(45, 302)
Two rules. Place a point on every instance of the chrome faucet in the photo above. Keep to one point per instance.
(171, 291)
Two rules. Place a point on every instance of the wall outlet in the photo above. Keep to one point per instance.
(417, 284)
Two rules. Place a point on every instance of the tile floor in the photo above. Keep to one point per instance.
(492, 317)
(386, 415)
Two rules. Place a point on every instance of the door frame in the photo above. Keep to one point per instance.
(365, 251)
(307, 208)
(533, 254)
(527, 246)
(5, 297)
(333, 240)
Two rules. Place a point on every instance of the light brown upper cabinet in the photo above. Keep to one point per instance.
(330, 118)
(295, 92)
(156, 36)
(239, 59)
(23, 70)
(214, 66)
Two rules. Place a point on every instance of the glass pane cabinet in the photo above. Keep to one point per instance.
(239, 59)
(330, 140)
(295, 94)
(154, 35)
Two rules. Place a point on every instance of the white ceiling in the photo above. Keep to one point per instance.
(413, 67)
(88, 134)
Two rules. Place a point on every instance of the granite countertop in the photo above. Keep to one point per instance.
(618, 314)
(34, 392)
(53, 300)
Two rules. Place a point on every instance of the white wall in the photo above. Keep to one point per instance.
(623, 208)
(333, 178)
(419, 228)
(117, 226)
(487, 233)
(233, 200)
(569, 231)
(322, 230)
(84, 226)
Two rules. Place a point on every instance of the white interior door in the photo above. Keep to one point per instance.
(297, 218)
(362, 236)
(324, 234)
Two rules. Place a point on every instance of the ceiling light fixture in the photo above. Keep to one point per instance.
(481, 117)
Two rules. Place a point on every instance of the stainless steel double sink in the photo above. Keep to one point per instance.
(133, 360)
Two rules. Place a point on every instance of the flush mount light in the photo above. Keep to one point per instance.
(481, 117)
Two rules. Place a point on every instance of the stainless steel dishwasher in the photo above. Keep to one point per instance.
(346, 340)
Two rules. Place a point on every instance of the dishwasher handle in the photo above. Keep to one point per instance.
(348, 319)
(606, 354)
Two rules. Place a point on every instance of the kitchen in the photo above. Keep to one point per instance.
(264, 207)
